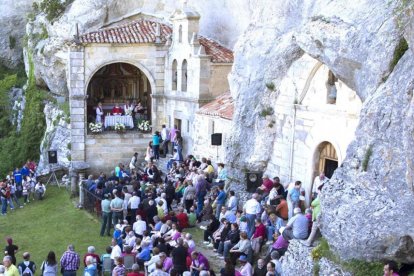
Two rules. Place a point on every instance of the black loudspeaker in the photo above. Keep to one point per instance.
(52, 156)
(216, 139)
(253, 181)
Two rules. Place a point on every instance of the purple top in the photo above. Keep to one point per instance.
(167, 265)
(201, 261)
(70, 261)
(280, 243)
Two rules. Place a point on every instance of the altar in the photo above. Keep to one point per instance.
(112, 120)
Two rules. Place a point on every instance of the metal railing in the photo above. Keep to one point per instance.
(89, 200)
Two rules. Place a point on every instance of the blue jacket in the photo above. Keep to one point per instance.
(18, 177)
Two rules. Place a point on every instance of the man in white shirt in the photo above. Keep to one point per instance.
(116, 250)
(133, 204)
(165, 136)
(190, 242)
(139, 226)
(251, 208)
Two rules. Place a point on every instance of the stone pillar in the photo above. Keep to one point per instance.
(77, 96)
(158, 114)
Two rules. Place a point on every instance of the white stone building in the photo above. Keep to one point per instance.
(169, 68)
(315, 117)
(214, 117)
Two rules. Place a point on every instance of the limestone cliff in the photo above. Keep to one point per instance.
(12, 21)
(366, 214)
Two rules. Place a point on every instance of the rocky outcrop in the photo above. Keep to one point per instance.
(298, 261)
(57, 137)
(12, 22)
(365, 214)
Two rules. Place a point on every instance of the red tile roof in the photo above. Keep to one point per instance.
(144, 31)
(222, 107)
(141, 31)
(218, 52)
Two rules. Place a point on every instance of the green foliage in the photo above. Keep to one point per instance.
(65, 225)
(270, 86)
(266, 111)
(5, 106)
(52, 8)
(12, 42)
(363, 268)
(367, 156)
(316, 268)
(16, 148)
(399, 51)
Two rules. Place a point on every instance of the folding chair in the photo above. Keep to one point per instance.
(106, 265)
(129, 260)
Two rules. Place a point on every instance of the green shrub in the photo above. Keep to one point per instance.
(270, 86)
(52, 8)
(12, 42)
(266, 111)
(367, 156)
(399, 51)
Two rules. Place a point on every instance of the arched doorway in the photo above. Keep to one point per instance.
(118, 83)
(326, 159)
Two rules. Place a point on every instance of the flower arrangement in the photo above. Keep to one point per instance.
(95, 127)
(120, 127)
(144, 125)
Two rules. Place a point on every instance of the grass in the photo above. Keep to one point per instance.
(367, 156)
(52, 224)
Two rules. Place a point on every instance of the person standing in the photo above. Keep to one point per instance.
(18, 180)
(3, 198)
(251, 208)
(173, 134)
(156, 145)
(70, 261)
(11, 250)
(133, 163)
(27, 267)
(117, 208)
(99, 113)
(165, 136)
(106, 215)
(49, 267)
(179, 257)
(11, 269)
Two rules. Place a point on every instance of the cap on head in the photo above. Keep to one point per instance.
(297, 210)
(243, 258)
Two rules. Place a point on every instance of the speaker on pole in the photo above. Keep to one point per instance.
(253, 181)
(216, 139)
(52, 156)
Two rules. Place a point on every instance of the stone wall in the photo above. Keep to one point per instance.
(105, 151)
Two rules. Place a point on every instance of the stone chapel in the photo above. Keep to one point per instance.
(168, 67)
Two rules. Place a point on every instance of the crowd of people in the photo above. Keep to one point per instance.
(147, 214)
(19, 187)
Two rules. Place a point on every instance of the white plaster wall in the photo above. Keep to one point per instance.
(316, 122)
(203, 130)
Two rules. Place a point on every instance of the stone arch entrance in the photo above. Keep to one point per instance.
(325, 159)
(121, 83)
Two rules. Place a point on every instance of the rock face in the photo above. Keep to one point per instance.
(298, 261)
(12, 22)
(57, 137)
(365, 214)
(221, 20)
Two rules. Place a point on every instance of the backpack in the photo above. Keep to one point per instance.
(27, 270)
